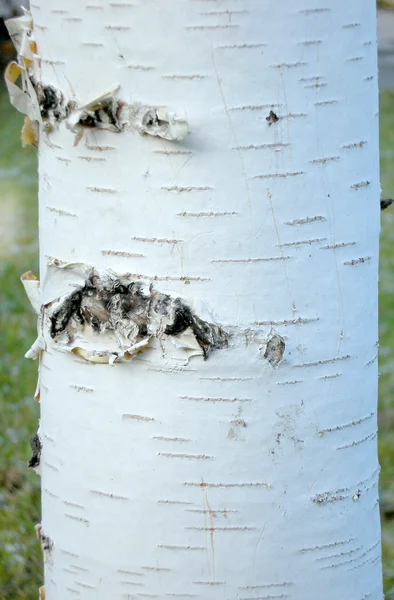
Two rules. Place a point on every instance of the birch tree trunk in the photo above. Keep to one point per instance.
(234, 457)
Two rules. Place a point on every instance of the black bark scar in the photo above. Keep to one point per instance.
(122, 307)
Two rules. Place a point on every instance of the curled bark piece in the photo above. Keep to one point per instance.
(32, 289)
(157, 122)
(38, 530)
(36, 349)
(23, 97)
(17, 27)
(29, 133)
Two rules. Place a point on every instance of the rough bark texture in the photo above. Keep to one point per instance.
(251, 474)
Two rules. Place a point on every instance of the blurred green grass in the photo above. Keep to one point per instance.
(386, 349)
(385, 4)
(20, 555)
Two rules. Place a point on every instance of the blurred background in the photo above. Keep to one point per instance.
(20, 553)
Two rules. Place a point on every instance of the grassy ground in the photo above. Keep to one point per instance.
(20, 559)
(20, 556)
(386, 358)
(386, 4)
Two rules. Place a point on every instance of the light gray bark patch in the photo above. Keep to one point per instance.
(275, 350)
(36, 447)
(236, 426)
(124, 308)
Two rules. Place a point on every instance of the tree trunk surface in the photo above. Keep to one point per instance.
(235, 456)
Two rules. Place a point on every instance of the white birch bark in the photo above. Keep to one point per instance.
(228, 477)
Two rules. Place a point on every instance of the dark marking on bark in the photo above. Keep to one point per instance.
(46, 541)
(151, 119)
(272, 118)
(71, 306)
(105, 115)
(48, 99)
(208, 335)
(275, 350)
(121, 306)
(53, 106)
(36, 447)
(385, 204)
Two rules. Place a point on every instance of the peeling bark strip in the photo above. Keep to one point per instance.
(108, 304)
